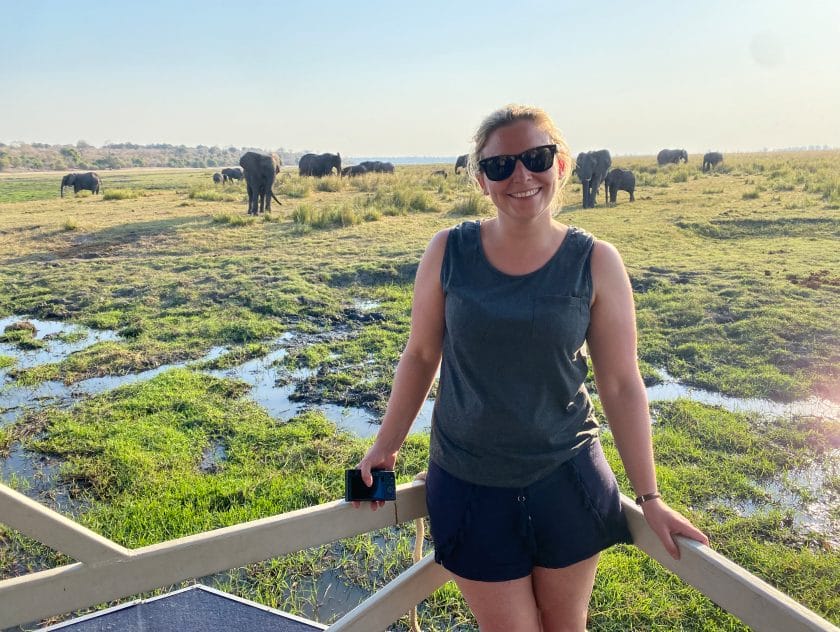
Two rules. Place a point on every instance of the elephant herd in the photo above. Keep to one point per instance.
(593, 168)
(259, 171)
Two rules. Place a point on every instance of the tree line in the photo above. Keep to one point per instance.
(44, 157)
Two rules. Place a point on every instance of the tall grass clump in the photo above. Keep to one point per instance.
(213, 195)
(404, 199)
(69, 224)
(232, 219)
(474, 204)
(121, 194)
(298, 188)
(331, 184)
(330, 217)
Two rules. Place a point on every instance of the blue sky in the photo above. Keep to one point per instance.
(390, 78)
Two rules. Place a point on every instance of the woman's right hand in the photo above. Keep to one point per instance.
(375, 459)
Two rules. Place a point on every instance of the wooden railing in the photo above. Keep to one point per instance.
(106, 571)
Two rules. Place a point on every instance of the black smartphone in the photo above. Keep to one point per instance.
(384, 485)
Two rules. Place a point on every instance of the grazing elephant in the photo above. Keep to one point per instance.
(319, 165)
(671, 156)
(711, 159)
(355, 170)
(232, 173)
(217, 177)
(591, 168)
(260, 171)
(89, 181)
(440, 172)
(461, 162)
(620, 180)
(377, 166)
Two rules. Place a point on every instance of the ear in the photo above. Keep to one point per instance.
(561, 168)
(482, 183)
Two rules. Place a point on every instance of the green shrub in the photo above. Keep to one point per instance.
(750, 195)
(120, 194)
(232, 219)
(331, 183)
(474, 204)
(213, 195)
(297, 188)
(331, 217)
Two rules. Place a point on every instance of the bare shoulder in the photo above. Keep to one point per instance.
(438, 242)
(607, 266)
(430, 264)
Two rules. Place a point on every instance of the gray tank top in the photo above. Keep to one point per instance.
(511, 405)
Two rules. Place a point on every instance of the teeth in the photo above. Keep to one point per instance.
(524, 194)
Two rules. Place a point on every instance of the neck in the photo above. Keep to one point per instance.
(534, 230)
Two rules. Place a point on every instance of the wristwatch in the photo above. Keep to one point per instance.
(643, 498)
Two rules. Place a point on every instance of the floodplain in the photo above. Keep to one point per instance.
(736, 275)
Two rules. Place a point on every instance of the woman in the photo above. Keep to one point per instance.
(521, 500)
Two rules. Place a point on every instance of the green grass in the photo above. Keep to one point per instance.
(734, 293)
(121, 194)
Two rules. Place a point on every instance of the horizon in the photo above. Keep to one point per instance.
(372, 82)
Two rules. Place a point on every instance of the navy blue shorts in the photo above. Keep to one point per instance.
(497, 534)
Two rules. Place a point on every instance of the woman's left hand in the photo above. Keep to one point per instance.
(667, 523)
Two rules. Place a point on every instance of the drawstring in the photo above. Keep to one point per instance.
(526, 527)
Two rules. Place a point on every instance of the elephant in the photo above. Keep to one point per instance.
(89, 181)
(232, 173)
(440, 172)
(620, 180)
(671, 156)
(711, 159)
(260, 171)
(217, 177)
(461, 162)
(591, 168)
(377, 166)
(319, 165)
(355, 170)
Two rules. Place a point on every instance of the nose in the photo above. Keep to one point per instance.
(520, 172)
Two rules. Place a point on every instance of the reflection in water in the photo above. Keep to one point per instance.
(815, 510)
(670, 389)
(272, 385)
(55, 349)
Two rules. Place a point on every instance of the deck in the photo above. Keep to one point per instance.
(106, 571)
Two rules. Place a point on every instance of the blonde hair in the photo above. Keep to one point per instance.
(510, 114)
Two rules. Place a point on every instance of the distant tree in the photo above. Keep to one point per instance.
(72, 154)
(82, 144)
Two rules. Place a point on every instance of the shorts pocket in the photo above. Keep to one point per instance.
(448, 501)
(596, 483)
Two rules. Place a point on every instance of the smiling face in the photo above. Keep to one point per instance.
(524, 195)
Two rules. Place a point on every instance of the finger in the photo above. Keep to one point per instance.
(693, 533)
(374, 505)
(367, 478)
(669, 543)
(356, 504)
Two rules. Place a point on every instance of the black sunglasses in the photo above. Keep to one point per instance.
(536, 160)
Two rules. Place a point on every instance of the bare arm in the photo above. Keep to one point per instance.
(418, 363)
(612, 344)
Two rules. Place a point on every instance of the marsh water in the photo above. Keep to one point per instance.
(272, 387)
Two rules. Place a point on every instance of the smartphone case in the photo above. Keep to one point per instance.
(384, 486)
